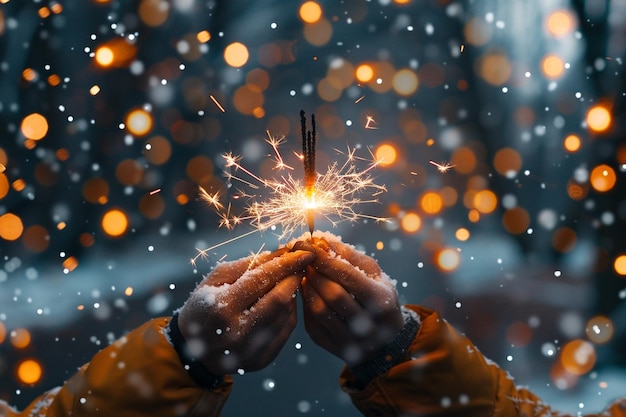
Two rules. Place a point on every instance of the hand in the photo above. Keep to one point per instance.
(351, 308)
(241, 314)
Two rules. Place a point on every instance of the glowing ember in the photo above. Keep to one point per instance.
(443, 167)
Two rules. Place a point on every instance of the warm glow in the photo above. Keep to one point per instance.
(203, 36)
(507, 162)
(70, 264)
(578, 357)
(598, 118)
(411, 222)
(462, 234)
(619, 265)
(3, 332)
(34, 126)
(36, 238)
(405, 82)
(572, 143)
(516, 220)
(364, 73)
(104, 56)
(564, 239)
(431, 202)
(20, 338)
(94, 90)
(139, 122)
(29, 371)
(386, 154)
(114, 222)
(560, 23)
(128, 291)
(552, 66)
(599, 329)
(236, 54)
(485, 201)
(4, 185)
(11, 226)
(447, 259)
(310, 12)
(602, 178)
(495, 68)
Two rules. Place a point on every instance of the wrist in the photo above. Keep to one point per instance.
(389, 356)
(196, 370)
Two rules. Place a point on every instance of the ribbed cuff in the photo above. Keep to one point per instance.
(394, 353)
(194, 368)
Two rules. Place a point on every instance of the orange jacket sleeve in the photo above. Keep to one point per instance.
(138, 375)
(445, 374)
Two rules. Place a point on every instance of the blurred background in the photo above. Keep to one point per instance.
(502, 129)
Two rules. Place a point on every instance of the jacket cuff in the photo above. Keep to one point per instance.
(394, 353)
(194, 368)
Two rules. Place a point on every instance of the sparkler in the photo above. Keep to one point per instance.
(308, 157)
(290, 204)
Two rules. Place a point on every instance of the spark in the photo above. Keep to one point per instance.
(217, 103)
(2, 167)
(462, 48)
(153, 192)
(368, 124)
(281, 204)
(358, 100)
(443, 167)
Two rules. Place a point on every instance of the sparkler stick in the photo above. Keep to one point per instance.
(310, 175)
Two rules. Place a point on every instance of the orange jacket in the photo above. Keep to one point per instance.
(141, 375)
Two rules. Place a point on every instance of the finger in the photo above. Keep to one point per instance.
(335, 296)
(357, 258)
(280, 301)
(257, 282)
(261, 354)
(321, 322)
(229, 272)
(354, 280)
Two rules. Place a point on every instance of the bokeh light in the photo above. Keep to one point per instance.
(552, 66)
(236, 54)
(29, 371)
(507, 162)
(11, 226)
(447, 259)
(20, 338)
(516, 220)
(578, 357)
(619, 265)
(485, 201)
(431, 202)
(114, 222)
(139, 122)
(386, 153)
(599, 329)
(462, 234)
(572, 143)
(598, 118)
(364, 73)
(34, 126)
(560, 23)
(411, 222)
(603, 178)
(310, 12)
(405, 82)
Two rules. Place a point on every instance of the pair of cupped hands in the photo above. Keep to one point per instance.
(242, 313)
